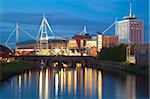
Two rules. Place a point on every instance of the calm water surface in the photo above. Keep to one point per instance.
(86, 83)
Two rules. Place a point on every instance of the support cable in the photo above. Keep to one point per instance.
(109, 27)
(10, 36)
(27, 33)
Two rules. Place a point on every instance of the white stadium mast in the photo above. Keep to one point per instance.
(43, 37)
(84, 31)
(16, 32)
(43, 33)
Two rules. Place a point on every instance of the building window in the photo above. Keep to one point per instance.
(142, 51)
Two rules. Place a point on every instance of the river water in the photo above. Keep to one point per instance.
(79, 83)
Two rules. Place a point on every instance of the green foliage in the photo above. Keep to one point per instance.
(117, 53)
(10, 69)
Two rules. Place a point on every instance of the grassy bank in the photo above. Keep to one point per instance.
(8, 70)
(122, 66)
(138, 69)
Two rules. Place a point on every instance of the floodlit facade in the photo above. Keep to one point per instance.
(72, 44)
(99, 42)
(87, 48)
(131, 31)
(55, 47)
(106, 41)
(109, 41)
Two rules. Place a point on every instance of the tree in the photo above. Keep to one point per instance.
(116, 53)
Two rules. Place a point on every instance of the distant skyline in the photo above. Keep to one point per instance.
(67, 17)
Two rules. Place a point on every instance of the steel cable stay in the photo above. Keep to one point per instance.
(114, 23)
(27, 33)
(16, 31)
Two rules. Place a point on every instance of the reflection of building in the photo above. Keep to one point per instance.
(142, 53)
(131, 87)
(131, 29)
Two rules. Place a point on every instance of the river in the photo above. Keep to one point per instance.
(79, 83)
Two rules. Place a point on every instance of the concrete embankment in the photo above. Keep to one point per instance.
(8, 70)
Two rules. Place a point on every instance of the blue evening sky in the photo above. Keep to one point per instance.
(67, 17)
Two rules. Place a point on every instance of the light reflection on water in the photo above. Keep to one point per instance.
(40, 85)
(86, 83)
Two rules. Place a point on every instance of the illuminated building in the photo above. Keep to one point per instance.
(89, 47)
(82, 45)
(109, 41)
(43, 44)
(54, 45)
(130, 30)
(72, 44)
(106, 41)
(99, 42)
(6, 54)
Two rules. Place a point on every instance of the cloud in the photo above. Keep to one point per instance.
(56, 18)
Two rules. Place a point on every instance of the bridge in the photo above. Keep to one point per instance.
(36, 60)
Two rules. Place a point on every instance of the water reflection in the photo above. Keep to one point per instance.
(82, 83)
(131, 87)
(40, 85)
(75, 82)
(69, 81)
(126, 87)
(46, 84)
(99, 85)
(19, 86)
(25, 80)
(29, 79)
(56, 84)
(88, 81)
(62, 80)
